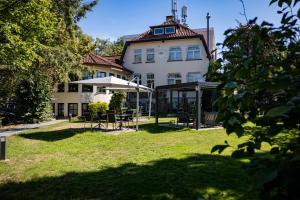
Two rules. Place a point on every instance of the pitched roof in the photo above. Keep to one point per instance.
(109, 61)
(114, 59)
(181, 32)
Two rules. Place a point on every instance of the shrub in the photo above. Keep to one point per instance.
(98, 107)
(117, 101)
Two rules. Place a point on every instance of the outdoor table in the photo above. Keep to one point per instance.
(122, 117)
(99, 121)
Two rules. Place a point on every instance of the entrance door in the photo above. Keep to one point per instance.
(60, 110)
(73, 109)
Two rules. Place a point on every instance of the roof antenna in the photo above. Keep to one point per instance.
(184, 14)
(174, 9)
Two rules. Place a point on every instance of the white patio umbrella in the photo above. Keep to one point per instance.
(117, 84)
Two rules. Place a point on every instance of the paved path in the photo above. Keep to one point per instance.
(22, 127)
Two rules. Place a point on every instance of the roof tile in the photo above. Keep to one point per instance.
(110, 61)
(181, 31)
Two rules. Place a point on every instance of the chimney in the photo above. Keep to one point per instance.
(208, 32)
(170, 18)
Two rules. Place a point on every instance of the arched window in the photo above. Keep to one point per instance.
(174, 78)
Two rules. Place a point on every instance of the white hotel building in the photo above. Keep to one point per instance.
(168, 53)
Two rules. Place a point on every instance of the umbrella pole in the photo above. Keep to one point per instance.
(137, 103)
(150, 102)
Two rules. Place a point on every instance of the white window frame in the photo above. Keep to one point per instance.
(193, 53)
(135, 80)
(159, 33)
(150, 55)
(87, 75)
(170, 32)
(175, 54)
(102, 90)
(99, 74)
(194, 79)
(174, 78)
(137, 56)
(150, 80)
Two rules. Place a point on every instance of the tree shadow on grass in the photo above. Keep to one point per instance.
(156, 129)
(209, 176)
(52, 136)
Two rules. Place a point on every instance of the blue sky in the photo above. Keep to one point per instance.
(111, 19)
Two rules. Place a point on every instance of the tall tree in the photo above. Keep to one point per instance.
(108, 48)
(39, 36)
(259, 77)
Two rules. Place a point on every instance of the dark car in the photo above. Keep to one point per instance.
(7, 117)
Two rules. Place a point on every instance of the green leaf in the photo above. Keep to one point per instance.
(274, 150)
(272, 1)
(269, 176)
(296, 157)
(230, 85)
(278, 111)
(264, 23)
(232, 121)
(219, 148)
(238, 153)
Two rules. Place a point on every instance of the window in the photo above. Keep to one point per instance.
(111, 74)
(87, 75)
(194, 77)
(174, 78)
(123, 77)
(175, 54)
(140, 78)
(72, 86)
(61, 87)
(137, 55)
(150, 55)
(193, 53)
(73, 109)
(87, 88)
(53, 108)
(170, 30)
(85, 109)
(158, 31)
(150, 80)
(60, 109)
(101, 90)
(118, 76)
(100, 74)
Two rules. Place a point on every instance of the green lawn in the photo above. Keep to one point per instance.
(57, 162)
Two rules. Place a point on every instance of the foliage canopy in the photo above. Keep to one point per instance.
(40, 44)
(260, 82)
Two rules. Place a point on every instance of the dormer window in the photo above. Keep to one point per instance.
(170, 30)
(158, 31)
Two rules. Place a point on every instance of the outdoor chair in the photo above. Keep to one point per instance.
(129, 118)
(112, 119)
(184, 118)
(210, 118)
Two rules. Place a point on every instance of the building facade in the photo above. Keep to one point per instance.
(73, 99)
(169, 53)
(166, 54)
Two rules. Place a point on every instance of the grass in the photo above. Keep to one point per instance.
(64, 162)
